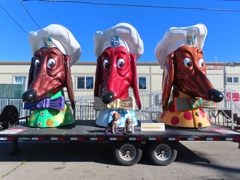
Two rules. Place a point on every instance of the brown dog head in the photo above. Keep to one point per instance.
(180, 54)
(54, 50)
(185, 70)
(49, 73)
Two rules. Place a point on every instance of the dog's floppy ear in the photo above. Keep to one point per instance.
(31, 73)
(168, 76)
(118, 116)
(98, 80)
(134, 80)
(131, 121)
(68, 80)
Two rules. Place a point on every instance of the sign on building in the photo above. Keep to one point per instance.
(235, 96)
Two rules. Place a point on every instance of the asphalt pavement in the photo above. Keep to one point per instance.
(215, 160)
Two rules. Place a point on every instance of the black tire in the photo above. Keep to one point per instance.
(127, 154)
(9, 111)
(162, 153)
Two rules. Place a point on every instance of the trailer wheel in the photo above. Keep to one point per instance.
(162, 154)
(127, 154)
(9, 111)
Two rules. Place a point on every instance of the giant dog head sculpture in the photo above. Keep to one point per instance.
(49, 73)
(55, 50)
(180, 54)
(117, 50)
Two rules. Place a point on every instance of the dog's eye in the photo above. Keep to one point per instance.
(120, 63)
(187, 62)
(201, 62)
(106, 63)
(51, 63)
(37, 63)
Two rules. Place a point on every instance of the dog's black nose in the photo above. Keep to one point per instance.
(29, 95)
(215, 95)
(107, 97)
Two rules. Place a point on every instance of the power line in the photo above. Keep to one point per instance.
(30, 15)
(13, 19)
(139, 6)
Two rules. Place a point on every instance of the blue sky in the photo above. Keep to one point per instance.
(222, 43)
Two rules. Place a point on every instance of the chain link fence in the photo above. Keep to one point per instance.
(10, 94)
(150, 101)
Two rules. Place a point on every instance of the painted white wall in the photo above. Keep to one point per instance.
(152, 72)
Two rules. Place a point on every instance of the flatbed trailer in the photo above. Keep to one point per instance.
(127, 147)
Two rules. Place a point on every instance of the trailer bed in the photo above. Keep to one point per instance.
(127, 147)
(87, 130)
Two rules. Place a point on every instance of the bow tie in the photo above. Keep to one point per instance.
(127, 103)
(57, 104)
(192, 103)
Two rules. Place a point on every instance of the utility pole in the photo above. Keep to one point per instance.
(224, 84)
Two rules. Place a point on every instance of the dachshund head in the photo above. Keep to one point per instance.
(116, 72)
(185, 70)
(48, 74)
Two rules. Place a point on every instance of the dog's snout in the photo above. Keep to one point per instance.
(215, 95)
(107, 97)
(29, 95)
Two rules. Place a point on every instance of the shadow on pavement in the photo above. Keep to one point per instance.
(100, 152)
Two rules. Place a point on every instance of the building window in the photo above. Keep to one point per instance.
(84, 82)
(142, 83)
(232, 80)
(18, 87)
(19, 80)
(235, 80)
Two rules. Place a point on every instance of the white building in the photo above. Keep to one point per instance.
(221, 75)
(224, 77)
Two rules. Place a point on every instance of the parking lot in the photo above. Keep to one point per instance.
(67, 160)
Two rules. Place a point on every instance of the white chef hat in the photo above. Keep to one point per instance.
(122, 34)
(56, 35)
(176, 37)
